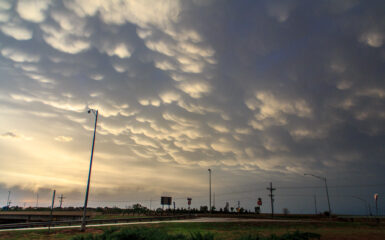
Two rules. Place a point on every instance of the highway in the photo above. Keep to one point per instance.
(203, 219)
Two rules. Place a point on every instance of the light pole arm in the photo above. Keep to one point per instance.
(326, 188)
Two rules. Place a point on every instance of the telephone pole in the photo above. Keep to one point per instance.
(315, 204)
(271, 195)
(37, 200)
(209, 189)
(61, 199)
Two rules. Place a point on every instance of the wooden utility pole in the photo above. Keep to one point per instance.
(61, 200)
(271, 195)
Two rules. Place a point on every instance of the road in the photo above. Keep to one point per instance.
(155, 222)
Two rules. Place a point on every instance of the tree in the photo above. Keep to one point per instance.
(204, 208)
(285, 211)
(257, 210)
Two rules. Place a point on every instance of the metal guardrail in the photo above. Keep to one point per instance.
(92, 221)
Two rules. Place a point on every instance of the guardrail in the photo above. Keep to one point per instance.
(92, 221)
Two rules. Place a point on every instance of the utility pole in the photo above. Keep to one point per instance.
(61, 199)
(37, 200)
(271, 195)
(214, 201)
(83, 226)
(315, 204)
(150, 202)
(8, 202)
(53, 203)
(209, 189)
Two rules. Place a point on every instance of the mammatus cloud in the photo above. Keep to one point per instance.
(17, 55)
(33, 11)
(17, 32)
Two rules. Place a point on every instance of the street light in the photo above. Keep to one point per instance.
(367, 206)
(326, 187)
(83, 226)
(210, 188)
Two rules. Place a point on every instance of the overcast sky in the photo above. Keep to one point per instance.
(258, 91)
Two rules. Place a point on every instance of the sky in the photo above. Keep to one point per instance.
(257, 91)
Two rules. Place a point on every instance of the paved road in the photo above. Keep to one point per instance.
(155, 222)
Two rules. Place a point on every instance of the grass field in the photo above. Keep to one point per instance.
(228, 230)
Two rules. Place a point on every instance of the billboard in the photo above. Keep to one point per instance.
(165, 200)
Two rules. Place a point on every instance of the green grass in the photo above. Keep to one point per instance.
(226, 230)
(158, 234)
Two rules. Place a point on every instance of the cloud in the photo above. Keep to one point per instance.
(271, 110)
(17, 32)
(32, 10)
(14, 136)
(5, 5)
(280, 10)
(96, 77)
(169, 97)
(63, 40)
(120, 51)
(63, 139)
(195, 89)
(373, 39)
(19, 56)
(4, 17)
(67, 105)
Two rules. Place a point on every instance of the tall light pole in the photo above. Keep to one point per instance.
(326, 187)
(367, 206)
(8, 202)
(209, 189)
(83, 226)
